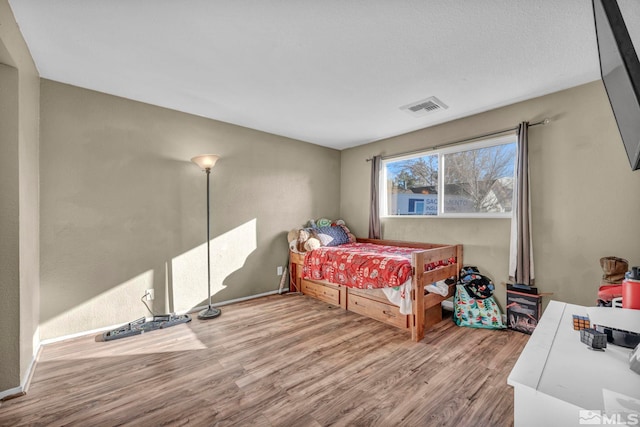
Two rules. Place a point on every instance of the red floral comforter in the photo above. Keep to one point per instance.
(361, 265)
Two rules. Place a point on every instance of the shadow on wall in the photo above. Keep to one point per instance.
(123, 209)
(132, 225)
(184, 276)
(187, 285)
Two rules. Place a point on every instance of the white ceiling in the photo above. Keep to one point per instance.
(333, 73)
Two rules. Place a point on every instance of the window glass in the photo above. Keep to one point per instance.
(412, 186)
(474, 179)
(480, 180)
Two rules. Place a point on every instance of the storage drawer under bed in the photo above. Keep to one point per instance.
(377, 310)
(321, 292)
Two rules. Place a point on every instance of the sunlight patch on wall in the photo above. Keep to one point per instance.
(120, 304)
(229, 252)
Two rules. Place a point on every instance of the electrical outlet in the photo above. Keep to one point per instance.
(279, 270)
(148, 295)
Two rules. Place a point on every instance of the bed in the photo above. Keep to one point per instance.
(362, 291)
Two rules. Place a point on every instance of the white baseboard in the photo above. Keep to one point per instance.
(26, 381)
(16, 391)
(191, 310)
(233, 301)
(80, 334)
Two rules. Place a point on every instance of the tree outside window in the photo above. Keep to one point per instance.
(471, 179)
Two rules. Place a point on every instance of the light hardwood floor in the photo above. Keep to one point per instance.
(277, 361)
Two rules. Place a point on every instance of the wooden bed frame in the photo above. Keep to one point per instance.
(373, 303)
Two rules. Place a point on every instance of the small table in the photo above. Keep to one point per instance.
(558, 381)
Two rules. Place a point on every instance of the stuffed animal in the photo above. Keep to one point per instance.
(311, 244)
(303, 236)
(302, 240)
(292, 235)
(306, 239)
(324, 222)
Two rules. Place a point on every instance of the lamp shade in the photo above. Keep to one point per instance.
(205, 161)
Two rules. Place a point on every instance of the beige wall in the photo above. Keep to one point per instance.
(29, 154)
(19, 208)
(124, 209)
(9, 225)
(585, 198)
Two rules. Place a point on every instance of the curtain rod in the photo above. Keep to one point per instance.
(460, 141)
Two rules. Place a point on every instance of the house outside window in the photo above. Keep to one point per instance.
(467, 180)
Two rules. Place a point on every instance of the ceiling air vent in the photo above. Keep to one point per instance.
(424, 107)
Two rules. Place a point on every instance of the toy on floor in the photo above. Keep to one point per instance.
(143, 325)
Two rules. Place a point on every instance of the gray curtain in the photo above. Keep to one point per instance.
(374, 209)
(521, 251)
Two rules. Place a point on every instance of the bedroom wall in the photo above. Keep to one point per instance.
(9, 226)
(124, 209)
(585, 198)
(19, 212)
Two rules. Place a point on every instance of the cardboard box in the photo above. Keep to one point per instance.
(523, 311)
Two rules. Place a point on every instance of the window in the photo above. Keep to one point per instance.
(416, 206)
(470, 180)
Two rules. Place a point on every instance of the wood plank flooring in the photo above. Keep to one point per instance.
(284, 360)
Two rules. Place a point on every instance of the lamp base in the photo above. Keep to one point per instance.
(209, 313)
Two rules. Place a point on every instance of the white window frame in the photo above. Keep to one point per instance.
(441, 152)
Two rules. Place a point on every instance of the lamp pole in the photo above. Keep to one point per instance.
(206, 162)
(208, 172)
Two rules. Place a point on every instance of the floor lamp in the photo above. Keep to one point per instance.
(206, 162)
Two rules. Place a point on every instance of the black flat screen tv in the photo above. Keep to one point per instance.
(620, 71)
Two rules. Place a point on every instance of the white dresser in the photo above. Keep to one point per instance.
(558, 381)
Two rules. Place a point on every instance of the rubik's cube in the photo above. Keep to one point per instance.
(593, 338)
(580, 322)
